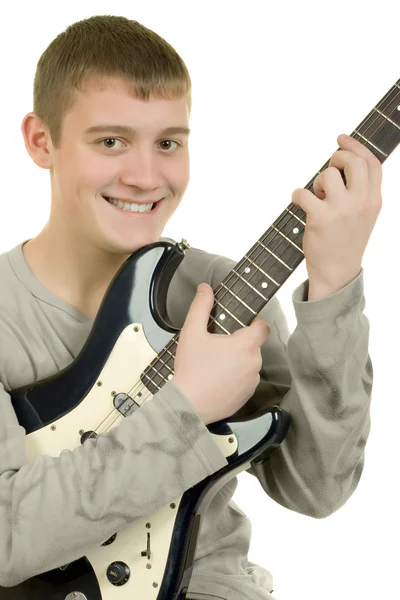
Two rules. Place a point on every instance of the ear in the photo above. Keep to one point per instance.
(37, 140)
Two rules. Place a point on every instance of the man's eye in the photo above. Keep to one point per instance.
(110, 142)
(169, 142)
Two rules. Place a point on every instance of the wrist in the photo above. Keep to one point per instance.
(319, 289)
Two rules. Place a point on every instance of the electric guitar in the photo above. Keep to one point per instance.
(127, 358)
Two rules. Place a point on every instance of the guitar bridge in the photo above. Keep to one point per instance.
(125, 404)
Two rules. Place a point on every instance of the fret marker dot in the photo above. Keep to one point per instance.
(247, 270)
(296, 230)
(222, 317)
(170, 376)
(398, 108)
(264, 284)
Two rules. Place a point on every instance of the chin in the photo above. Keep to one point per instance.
(129, 247)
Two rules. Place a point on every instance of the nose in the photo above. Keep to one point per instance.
(142, 169)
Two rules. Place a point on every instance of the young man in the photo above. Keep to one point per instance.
(111, 112)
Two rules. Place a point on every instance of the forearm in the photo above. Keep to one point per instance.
(319, 464)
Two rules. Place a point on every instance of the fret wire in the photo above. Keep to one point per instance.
(298, 218)
(152, 381)
(288, 239)
(170, 353)
(382, 136)
(246, 282)
(286, 229)
(284, 245)
(239, 299)
(247, 287)
(229, 290)
(260, 269)
(370, 116)
(159, 359)
(219, 325)
(164, 364)
(386, 99)
(229, 313)
(167, 365)
(249, 284)
(389, 106)
(382, 132)
(370, 143)
(151, 378)
(386, 117)
(152, 368)
(256, 265)
(236, 304)
(277, 257)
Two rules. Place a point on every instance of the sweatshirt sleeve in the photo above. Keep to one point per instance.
(321, 375)
(63, 506)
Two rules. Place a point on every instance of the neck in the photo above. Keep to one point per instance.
(72, 267)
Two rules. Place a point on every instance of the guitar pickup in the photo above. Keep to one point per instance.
(125, 404)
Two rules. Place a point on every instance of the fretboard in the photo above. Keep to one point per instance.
(267, 265)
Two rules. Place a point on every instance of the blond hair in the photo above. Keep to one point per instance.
(105, 46)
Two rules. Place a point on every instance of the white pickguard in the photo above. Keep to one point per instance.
(121, 373)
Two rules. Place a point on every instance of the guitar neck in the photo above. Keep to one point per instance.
(256, 278)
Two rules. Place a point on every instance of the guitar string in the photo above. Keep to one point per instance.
(373, 118)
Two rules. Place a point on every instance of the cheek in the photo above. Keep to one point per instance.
(80, 175)
(182, 173)
(95, 171)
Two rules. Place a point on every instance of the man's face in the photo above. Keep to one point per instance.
(146, 165)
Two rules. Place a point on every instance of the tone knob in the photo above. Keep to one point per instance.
(76, 596)
(118, 573)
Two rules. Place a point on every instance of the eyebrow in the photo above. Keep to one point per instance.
(124, 129)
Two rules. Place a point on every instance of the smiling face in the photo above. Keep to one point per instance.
(116, 146)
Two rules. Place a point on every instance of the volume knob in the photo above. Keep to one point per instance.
(118, 573)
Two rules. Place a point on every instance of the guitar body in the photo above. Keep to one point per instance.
(151, 559)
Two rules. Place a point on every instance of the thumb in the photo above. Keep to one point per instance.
(199, 311)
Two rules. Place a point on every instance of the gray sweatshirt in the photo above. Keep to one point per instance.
(63, 506)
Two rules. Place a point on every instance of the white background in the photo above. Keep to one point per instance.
(273, 86)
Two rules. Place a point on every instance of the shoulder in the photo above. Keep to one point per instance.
(12, 289)
(15, 305)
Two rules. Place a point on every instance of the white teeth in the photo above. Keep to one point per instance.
(131, 206)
